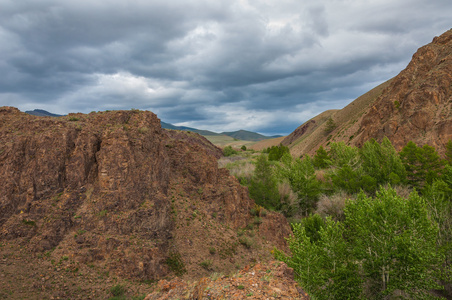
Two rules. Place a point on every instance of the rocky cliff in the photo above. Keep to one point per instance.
(115, 191)
(417, 104)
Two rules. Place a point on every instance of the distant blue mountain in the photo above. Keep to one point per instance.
(239, 135)
(41, 113)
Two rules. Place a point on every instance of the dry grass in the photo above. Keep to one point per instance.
(288, 198)
(333, 205)
(401, 190)
(245, 170)
(238, 166)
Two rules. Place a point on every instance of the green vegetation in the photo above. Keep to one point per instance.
(206, 264)
(117, 290)
(275, 153)
(385, 245)
(369, 223)
(175, 263)
(263, 185)
(330, 125)
(28, 222)
(228, 151)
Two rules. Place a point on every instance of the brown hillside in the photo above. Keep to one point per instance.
(115, 192)
(417, 105)
(261, 145)
(345, 119)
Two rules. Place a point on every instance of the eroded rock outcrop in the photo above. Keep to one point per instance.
(113, 189)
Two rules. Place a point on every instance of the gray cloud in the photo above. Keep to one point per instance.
(221, 65)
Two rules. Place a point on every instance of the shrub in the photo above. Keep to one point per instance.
(257, 221)
(332, 205)
(288, 199)
(247, 242)
(228, 151)
(330, 125)
(175, 263)
(117, 290)
(206, 264)
(243, 148)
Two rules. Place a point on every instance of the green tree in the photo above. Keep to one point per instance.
(395, 240)
(382, 162)
(300, 173)
(263, 186)
(423, 165)
(438, 196)
(321, 159)
(385, 246)
(276, 152)
(342, 155)
(323, 266)
(449, 153)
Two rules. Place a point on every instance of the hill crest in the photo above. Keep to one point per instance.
(415, 105)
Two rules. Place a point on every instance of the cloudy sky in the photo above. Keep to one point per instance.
(261, 65)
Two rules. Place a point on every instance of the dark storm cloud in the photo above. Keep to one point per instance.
(259, 65)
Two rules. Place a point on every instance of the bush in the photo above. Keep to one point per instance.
(117, 290)
(332, 205)
(206, 264)
(330, 125)
(228, 151)
(300, 174)
(385, 246)
(276, 152)
(247, 242)
(175, 263)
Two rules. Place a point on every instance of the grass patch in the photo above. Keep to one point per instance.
(28, 222)
(175, 263)
(247, 242)
(206, 264)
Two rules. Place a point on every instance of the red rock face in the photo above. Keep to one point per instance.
(417, 105)
(96, 188)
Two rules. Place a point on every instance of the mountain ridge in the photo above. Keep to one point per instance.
(414, 105)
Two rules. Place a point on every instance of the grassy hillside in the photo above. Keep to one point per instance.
(345, 120)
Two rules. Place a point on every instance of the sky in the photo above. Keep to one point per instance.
(259, 65)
